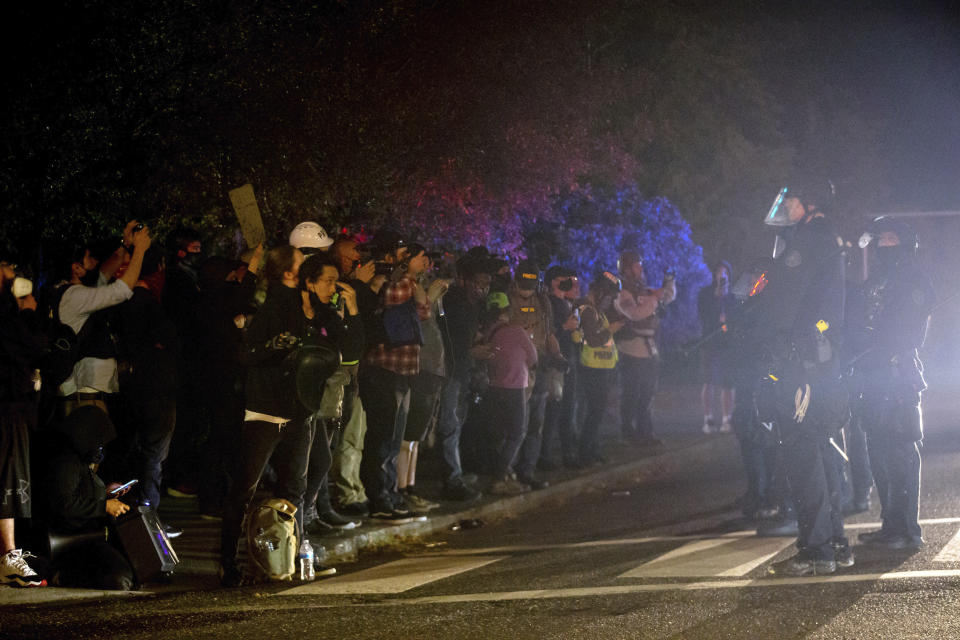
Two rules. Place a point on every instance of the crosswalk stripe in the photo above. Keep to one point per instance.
(716, 557)
(394, 577)
(951, 551)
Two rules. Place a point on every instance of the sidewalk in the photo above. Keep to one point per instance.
(685, 447)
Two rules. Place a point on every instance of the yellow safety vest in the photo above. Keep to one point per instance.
(604, 357)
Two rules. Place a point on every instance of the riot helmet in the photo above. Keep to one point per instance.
(315, 363)
(790, 205)
(893, 240)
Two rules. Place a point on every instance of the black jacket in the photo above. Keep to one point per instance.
(21, 348)
(271, 373)
(74, 496)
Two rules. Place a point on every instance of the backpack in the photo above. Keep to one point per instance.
(63, 344)
(272, 538)
(401, 324)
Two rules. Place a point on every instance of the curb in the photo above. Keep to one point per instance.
(683, 456)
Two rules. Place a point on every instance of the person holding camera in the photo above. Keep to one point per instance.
(640, 308)
(385, 377)
(530, 309)
(82, 308)
(714, 303)
(564, 289)
(598, 359)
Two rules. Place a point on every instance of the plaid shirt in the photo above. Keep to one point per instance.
(403, 360)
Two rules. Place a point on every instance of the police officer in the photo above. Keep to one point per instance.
(530, 309)
(799, 313)
(899, 298)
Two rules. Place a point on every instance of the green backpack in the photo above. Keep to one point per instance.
(272, 538)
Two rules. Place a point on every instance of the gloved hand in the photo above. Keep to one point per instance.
(283, 342)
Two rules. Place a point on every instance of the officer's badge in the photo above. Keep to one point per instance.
(793, 258)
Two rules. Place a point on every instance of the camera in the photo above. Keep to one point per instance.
(138, 227)
(384, 268)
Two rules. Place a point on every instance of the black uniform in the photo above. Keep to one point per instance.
(898, 299)
(800, 311)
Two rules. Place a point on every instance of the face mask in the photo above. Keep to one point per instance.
(94, 457)
(192, 260)
(887, 257)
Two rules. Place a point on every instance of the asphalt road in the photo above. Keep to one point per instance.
(669, 559)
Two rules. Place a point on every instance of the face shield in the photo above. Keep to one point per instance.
(779, 215)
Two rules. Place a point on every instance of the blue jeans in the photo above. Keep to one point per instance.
(155, 417)
(449, 427)
(529, 454)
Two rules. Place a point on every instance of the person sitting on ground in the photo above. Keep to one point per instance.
(76, 501)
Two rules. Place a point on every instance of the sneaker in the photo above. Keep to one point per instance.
(895, 542)
(798, 566)
(725, 426)
(15, 570)
(181, 491)
(709, 426)
(535, 484)
(397, 516)
(355, 509)
(469, 478)
(459, 493)
(420, 503)
(231, 576)
(336, 521)
(508, 487)
(843, 555)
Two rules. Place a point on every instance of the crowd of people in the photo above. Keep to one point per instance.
(317, 370)
(320, 371)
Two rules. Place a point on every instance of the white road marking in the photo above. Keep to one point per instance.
(583, 592)
(747, 533)
(393, 577)
(950, 552)
(717, 557)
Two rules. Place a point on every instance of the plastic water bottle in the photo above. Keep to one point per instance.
(307, 572)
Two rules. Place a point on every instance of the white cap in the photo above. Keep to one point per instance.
(310, 235)
(21, 287)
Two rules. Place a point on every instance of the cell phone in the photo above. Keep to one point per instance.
(124, 487)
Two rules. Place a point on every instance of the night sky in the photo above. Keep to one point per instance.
(901, 62)
(105, 106)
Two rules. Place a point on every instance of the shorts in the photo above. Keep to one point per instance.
(15, 491)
